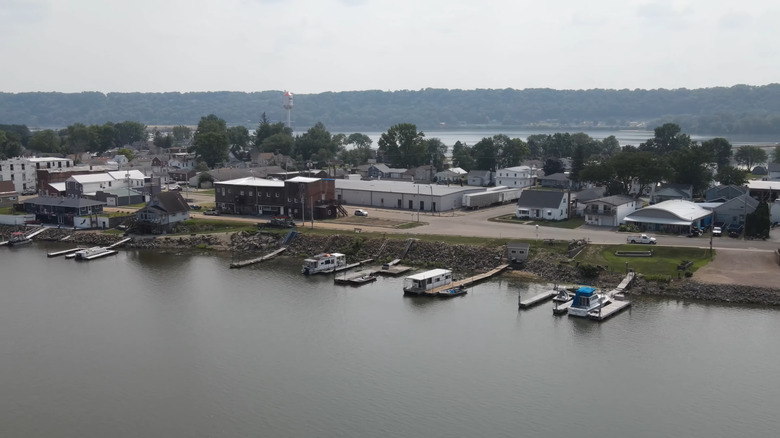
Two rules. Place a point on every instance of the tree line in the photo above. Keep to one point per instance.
(740, 109)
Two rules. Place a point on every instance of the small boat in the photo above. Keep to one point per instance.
(93, 253)
(586, 300)
(356, 281)
(18, 239)
(324, 263)
(421, 283)
(454, 292)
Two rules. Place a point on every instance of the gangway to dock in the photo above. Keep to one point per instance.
(35, 233)
(466, 281)
(244, 263)
(114, 245)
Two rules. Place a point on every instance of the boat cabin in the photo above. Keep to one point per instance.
(585, 297)
(330, 262)
(425, 281)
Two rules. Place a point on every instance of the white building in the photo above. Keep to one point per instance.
(89, 184)
(21, 171)
(516, 177)
(402, 195)
(610, 211)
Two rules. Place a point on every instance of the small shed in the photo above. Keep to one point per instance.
(517, 252)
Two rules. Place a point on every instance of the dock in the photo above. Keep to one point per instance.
(125, 240)
(392, 270)
(617, 302)
(356, 279)
(244, 263)
(108, 252)
(466, 281)
(609, 310)
(27, 236)
(537, 299)
(64, 252)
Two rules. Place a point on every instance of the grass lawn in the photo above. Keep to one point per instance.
(663, 262)
(8, 210)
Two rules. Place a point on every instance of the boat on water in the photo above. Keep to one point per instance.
(425, 281)
(356, 281)
(454, 292)
(324, 263)
(93, 253)
(563, 295)
(587, 299)
(18, 239)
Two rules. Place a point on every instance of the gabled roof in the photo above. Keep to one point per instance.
(541, 198)
(556, 177)
(774, 167)
(303, 179)
(7, 187)
(613, 200)
(172, 202)
(129, 173)
(61, 201)
(589, 194)
(479, 173)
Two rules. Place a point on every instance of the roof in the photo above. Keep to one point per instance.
(405, 187)
(589, 194)
(130, 173)
(540, 198)
(774, 167)
(517, 169)
(61, 201)
(557, 177)
(7, 187)
(428, 274)
(252, 181)
(303, 179)
(458, 170)
(58, 186)
(613, 200)
(92, 178)
(673, 212)
(172, 202)
(47, 159)
(763, 185)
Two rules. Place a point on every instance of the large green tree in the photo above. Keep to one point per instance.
(750, 156)
(720, 150)
(181, 133)
(316, 144)
(462, 157)
(402, 146)
(46, 141)
(239, 139)
(691, 166)
(211, 140)
(129, 132)
(435, 151)
(10, 146)
(627, 171)
(668, 138)
(266, 129)
(732, 176)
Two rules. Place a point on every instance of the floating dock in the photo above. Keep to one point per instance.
(64, 252)
(465, 282)
(609, 310)
(392, 270)
(244, 263)
(537, 299)
(356, 279)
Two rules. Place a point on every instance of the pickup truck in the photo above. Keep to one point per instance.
(643, 238)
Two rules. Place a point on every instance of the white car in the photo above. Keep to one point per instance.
(361, 213)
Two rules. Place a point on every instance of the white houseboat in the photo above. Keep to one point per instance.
(586, 299)
(324, 263)
(421, 283)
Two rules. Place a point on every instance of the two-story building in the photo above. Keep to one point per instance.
(22, 171)
(250, 195)
(542, 205)
(8, 194)
(516, 177)
(163, 212)
(610, 211)
(66, 211)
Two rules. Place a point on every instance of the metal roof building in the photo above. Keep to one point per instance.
(402, 195)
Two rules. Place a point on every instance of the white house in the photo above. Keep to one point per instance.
(543, 205)
(610, 211)
(516, 177)
(89, 184)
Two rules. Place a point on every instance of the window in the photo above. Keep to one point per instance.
(241, 193)
(277, 194)
(22, 166)
(12, 167)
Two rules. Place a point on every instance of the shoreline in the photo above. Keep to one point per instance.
(460, 258)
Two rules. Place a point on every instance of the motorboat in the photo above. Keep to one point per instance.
(587, 299)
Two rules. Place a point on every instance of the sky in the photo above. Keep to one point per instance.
(316, 46)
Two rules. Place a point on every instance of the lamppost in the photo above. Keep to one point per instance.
(537, 233)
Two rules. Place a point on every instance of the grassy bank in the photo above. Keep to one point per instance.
(664, 261)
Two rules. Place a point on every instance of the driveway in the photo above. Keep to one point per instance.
(741, 266)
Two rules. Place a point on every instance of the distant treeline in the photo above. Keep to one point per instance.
(739, 109)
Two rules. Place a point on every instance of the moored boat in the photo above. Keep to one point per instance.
(324, 263)
(425, 281)
(587, 299)
(18, 239)
(454, 292)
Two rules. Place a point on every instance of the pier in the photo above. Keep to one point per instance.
(536, 299)
(357, 278)
(466, 281)
(114, 245)
(617, 302)
(64, 252)
(244, 263)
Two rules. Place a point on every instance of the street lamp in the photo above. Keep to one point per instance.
(537, 232)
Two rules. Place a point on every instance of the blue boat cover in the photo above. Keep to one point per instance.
(586, 290)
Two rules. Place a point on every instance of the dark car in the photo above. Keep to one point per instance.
(195, 207)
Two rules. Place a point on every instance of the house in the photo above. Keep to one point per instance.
(724, 193)
(381, 171)
(669, 192)
(480, 178)
(162, 213)
(66, 211)
(119, 197)
(759, 170)
(673, 216)
(731, 211)
(421, 174)
(580, 198)
(448, 177)
(610, 211)
(556, 180)
(516, 177)
(517, 252)
(773, 172)
(542, 205)
(8, 194)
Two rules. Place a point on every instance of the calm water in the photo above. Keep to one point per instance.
(150, 344)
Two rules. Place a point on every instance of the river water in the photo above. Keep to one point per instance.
(152, 344)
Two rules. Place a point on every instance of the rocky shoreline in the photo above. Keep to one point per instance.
(462, 259)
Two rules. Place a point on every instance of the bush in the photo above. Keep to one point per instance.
(628, 228)
(589, 271)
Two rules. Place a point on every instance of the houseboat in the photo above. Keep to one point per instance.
(425, 281)
(93, 253)
(324, 263)
(586, 299)
(18, 239)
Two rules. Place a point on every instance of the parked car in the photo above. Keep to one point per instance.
(360, 212)
(195, 207)
(735, 230)
(642, 238)
(211, 212)
(281, 222)
(717, 229)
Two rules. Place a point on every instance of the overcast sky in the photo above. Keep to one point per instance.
(313, 46)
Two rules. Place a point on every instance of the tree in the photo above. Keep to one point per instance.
(758, 223)
(316, 144)
(181, 133)
(20, 133)
(211, 140)
(461, 156)
(10, 146)
(239, 139)
(163, 141)
(281, 143)
(776, 154)
(750, 156)
(537, 145)
(127, 153)
(103, 137)
(552, 165)
(610, 146)
(46, 141)
(577, 164)
(720, 150)
(78, 138)
(435, 152)
(402, 146)
(129, 132)
(627, 168)
(732, 176)
(690, 166)
(267, 129)
(511, 152)
(668, 138)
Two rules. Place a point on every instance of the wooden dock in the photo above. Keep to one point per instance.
(392, 270)
(466, 281)
(63, 252)
(561, 308)
(611, 309)
(536, 299)
(114, 245)
(244, 263)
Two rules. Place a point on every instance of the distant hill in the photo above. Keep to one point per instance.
(727, 110)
